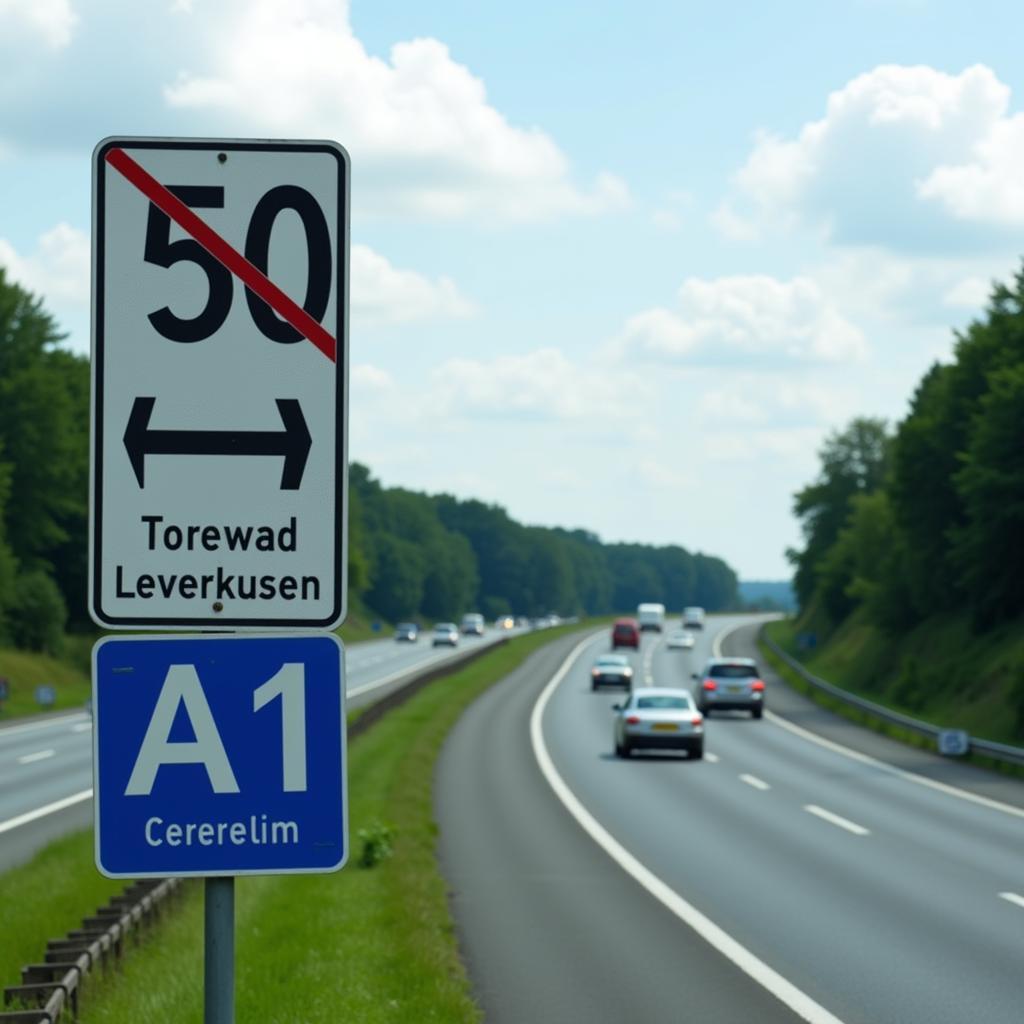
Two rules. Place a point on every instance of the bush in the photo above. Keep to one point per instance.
(39, 614)
(376, 842)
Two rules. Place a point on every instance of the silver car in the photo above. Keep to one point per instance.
(658, 717)
(445, 634)
(611, 670)
(731, 684)
(681, 639)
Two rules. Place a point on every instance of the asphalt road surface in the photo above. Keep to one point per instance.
(804, 870)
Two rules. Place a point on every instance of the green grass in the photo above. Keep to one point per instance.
(940, 672)
(364, 945)
(25, 670)
(46, 898)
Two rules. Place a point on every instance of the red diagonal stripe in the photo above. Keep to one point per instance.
(250, 276)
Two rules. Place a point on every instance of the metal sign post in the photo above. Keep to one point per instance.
(219, 954)
(218, 502)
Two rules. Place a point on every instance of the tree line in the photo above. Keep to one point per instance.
(411, 555)
(927, 517)
(434, 556)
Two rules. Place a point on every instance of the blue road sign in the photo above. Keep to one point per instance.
(219, 755)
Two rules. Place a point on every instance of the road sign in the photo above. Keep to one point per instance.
(220, 273)
(219, 755)
(954, 743)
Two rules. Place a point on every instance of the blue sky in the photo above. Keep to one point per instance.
(616, 266)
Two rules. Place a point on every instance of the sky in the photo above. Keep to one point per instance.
(616, 266)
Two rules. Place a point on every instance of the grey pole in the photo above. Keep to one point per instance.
(219, 960)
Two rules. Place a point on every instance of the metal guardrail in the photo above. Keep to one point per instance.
(51, 989)
(1001, 752)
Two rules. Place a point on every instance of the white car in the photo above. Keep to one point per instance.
(445, 634)
(658, 717)
(681, 639)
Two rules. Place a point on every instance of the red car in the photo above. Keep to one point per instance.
(626, 633)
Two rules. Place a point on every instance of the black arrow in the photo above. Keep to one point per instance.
(293, 442)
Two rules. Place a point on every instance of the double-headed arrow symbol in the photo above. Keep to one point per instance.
(293, 442)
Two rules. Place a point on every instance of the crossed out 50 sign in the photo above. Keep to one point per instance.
(219, 380)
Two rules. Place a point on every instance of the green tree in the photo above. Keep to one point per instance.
(988, 548)
(38, 619)
(853, 461)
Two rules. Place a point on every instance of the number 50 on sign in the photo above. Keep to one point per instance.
(219, 382)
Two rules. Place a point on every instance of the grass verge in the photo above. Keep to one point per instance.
(364, 944)
(45, 898)
(830, 667)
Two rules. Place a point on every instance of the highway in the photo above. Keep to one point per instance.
(46, 763)
(804, 870)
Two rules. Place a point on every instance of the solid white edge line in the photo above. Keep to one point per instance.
(39, 755)
(856, 755)
(753, 780)
(835, 819)
(57, 720)
(755, 968)
(1012, 897)
(42, 812)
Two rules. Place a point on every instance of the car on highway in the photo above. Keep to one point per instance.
(407, 631)
(473, 624)
(680, 639)
(693, 617)
(625, 633)
(611, 670)
(504, 622)
(731, 684)
(658, 718)
(445, 633)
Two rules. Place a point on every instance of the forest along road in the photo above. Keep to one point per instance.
(46, 763)
(781, 878)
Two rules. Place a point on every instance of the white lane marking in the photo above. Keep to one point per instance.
(648, 672)
(785, 991)
(61, 719)
(1013, 898)
(82, 727)
(753, 780)
(39, 755)
(835, 819)
(856, 755)
(713, 758)
(42, 812)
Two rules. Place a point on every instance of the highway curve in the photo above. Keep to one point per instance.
(782, 878)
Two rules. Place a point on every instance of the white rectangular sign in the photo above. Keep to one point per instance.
(219, 362)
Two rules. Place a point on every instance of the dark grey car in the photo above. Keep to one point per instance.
(611, 670)
(731, 684)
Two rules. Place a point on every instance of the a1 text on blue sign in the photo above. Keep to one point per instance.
(219, 755)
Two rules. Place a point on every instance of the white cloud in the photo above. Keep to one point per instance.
(52, 21)
(57, 270)
(381, 293)
(423, 136)
(540, 385)
(773, 402)
(909, 157)
(970, 292)
(371, 378)
(658, 474)
(748, 318)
